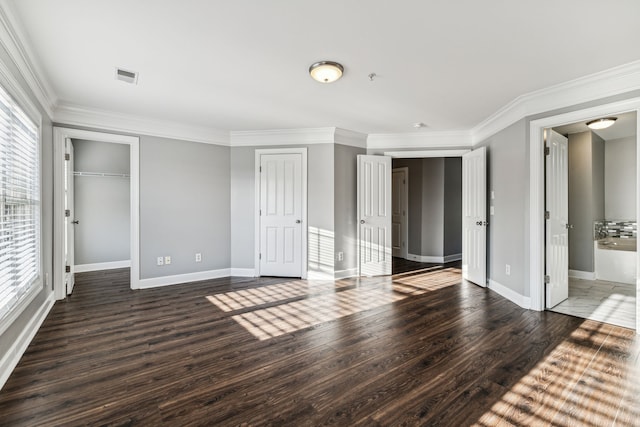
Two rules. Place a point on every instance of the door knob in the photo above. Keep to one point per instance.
(75, 222)
(298, 221)
(362, 221)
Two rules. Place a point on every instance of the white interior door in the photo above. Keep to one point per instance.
(474, 216)
(374, 213)
(69, 223)
(281, 215)
(557, 230)
(399, 213)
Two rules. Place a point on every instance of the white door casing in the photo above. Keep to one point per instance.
(399, 218)
(69, 224)
(281, 228)
(474, 217)
(374, 215)
(557, 227)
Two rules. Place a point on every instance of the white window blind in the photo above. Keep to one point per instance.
(19, 204)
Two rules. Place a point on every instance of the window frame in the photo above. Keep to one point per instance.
(21, 100)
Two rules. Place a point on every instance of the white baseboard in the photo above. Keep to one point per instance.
(19, 346)
(82, 268)
(320, 275)
(435, 259)
(184, 278)
(453, 257)
(243, 272)
(585, 275)
(511, 295)
(343, 274)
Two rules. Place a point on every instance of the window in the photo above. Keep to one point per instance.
(19, 205)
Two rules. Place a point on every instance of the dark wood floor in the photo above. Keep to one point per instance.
(421, 349)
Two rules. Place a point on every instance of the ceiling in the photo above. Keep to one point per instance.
(625, 126)
(243, 65)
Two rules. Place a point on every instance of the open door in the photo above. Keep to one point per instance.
(70, 222)
(474, 216)
(557, 229)
(374, 214)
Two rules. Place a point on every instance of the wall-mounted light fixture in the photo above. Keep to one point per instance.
(326, 71)
(601, 123)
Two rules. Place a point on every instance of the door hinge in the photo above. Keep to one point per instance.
(259, 256)
(260, 212)
(547, 151)
(547, 215)
(404, 182)
(67, 269)
(260, 169)
(67, 156)
(547, 279)
(67, 213)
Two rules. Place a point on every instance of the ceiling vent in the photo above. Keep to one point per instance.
(127, 76)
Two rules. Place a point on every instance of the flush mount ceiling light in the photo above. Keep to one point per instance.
(601, 123)
(326, 71)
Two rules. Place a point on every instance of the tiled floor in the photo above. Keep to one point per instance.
(608, 302)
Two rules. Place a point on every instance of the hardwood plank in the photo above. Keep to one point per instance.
(419, 348)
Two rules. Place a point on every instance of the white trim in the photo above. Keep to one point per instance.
(128, 123)
(343, 274)
(420, 140)
(242, 272)
(510, 294)
(426, 258)
(179, 279)
(536, 186)
(12, 38)
(59, 136)
(584, 275)
(283, 137)
(452, 258)
(617, 80)
(23, 303)
(320, 275)
(425, 154)
(350, 138)
(20, 345)
(305, 227)
(83, 268)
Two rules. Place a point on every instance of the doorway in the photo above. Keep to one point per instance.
(281, 219)
(591, 260)
(63, 186)
(537, 188)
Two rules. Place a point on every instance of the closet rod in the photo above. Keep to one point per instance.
(101, 174)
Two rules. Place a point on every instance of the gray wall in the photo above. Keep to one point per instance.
(184, 206)
(586, 196)
(13, 332)
(620, 179)
(320, 205)
(414, 195)
(507, 233)
(452, 206)
(432, 207)
(102, 204)
(345, 217)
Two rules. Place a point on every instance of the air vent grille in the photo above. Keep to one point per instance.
(127, 76)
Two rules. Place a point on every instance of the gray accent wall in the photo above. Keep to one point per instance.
(102, 203)
(184, 206)
(620, 179)
(586, 196)
(507, 233)
(432, 207)
(345, 217)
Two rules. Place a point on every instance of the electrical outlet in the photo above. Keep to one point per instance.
(167, 260)
(340, 256)
(198, 257)
(160, 261)
(507, 270)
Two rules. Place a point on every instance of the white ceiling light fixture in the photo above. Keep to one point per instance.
(326, 71)
(601, 123)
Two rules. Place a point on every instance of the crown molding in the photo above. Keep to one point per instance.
(428, 139)
(306, 136)
(12, 38)
(108, 120)
(351, 138)
(611, 82)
